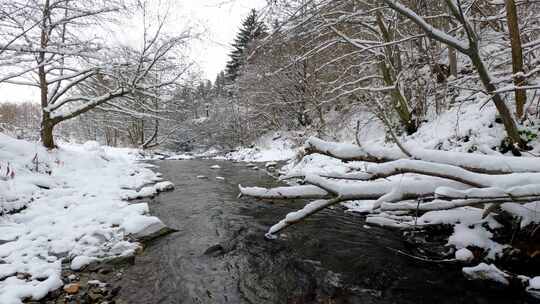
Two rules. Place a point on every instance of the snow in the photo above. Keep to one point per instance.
(35, 289)
(534, 283)
(465, 215)
(137, 223)
(464, 255)
(359, 206)
(534, 287)
(274, 146)
(81, 261)
(164, 186)
(181, 157)
(75, 211)
(215, 167)
(270, 164)
(478, 236)
(528, 213)
(485, 271)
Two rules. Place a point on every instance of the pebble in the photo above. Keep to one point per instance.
(72, 288)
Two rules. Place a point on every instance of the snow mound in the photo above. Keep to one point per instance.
(488, 272)
(464, 255)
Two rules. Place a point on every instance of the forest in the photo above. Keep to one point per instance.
(421, 117)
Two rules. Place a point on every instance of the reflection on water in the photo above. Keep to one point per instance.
(331, 258)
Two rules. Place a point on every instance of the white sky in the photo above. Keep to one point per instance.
(220, 18)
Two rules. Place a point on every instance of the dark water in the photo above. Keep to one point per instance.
(331, 258)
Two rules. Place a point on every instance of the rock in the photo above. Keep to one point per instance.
(97, 283)
(153, 231)
(214, 250)
(220, 178)
(115, 291)
(202, 177)
(23, 275)
(164, 186)
(215, 167)
(105, 270)
(94, 296)
(72, 288)
(270, 164)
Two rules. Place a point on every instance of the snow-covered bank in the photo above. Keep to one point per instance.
(67, 206)
(274, 146)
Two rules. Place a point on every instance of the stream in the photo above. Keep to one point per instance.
(220, 255)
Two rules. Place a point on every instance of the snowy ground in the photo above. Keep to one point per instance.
(67, 206)
(274, 146)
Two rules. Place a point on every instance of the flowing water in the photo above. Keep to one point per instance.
(220, 255)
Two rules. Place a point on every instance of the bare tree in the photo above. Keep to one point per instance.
(63, 60)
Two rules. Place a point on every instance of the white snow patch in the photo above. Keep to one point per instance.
(464, 255)
(164, 186)
(485, 271)
(478, 236)
(534, 283)
(81, 261)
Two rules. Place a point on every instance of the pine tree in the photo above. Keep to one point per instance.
(219, 84)
(251, 30)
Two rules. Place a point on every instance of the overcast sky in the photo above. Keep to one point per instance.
(220, 18)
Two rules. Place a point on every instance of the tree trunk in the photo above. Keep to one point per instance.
(506, 116)
(47, 138)
(452, 61)
(517, 56)
(47, 125)
(399, 101)
(390, 66)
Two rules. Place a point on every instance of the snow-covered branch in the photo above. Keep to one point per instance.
(430, 180)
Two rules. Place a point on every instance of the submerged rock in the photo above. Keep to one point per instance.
(215, 250)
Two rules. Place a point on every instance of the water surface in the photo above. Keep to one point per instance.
(331, 258)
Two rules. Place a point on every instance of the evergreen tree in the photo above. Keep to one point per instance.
(219, 84)
(251, 30)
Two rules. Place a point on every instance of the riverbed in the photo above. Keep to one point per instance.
(220, 255)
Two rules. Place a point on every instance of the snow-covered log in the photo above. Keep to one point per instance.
(392, 182)
(489, 164)
(305, 192)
